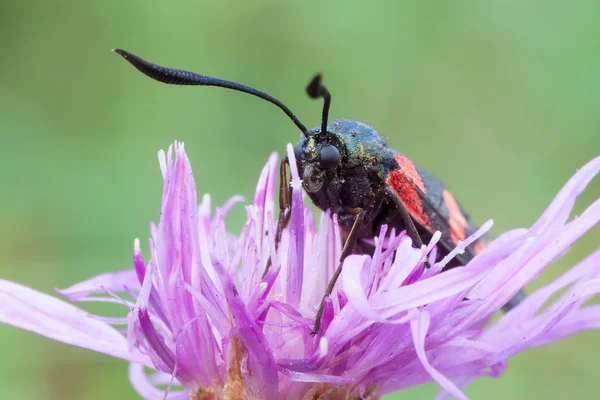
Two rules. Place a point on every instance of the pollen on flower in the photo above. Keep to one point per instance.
(326, 391)
(203, 394)
(234, 386)
(296, 182)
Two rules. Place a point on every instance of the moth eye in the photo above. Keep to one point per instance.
(329, 156)
(298, 150)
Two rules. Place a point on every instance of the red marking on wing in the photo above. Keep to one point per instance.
(404, 182)
(478, 246)
(456, 219)
(408, 169)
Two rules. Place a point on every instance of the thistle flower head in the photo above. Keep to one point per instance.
(198, 310)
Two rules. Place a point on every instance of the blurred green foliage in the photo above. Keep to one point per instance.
(499, 99)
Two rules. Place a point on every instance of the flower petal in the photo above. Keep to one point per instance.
(419, 327)
(142, 384)
(355, 292)
(48, 316)
(112, 281)
(583, 319)
(264, 194)
(165, 359)
(306, 377)
(558, 211)
(263, 381)
(295, 265)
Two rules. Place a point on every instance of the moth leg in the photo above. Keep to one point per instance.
(411, 229)
(285, 205)
(346, 251)
(349, 245)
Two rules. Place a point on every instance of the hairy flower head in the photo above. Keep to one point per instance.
(198, 310)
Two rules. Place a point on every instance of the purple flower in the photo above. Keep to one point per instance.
(201, 314)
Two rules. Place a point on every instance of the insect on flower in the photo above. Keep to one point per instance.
(347, 167)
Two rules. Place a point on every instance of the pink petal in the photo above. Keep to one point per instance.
(142, 384)
(460, 248)
(419, 327)
(296, 250)
(584, 319)
(445, 395)
(265, 192)
(307, 377)
(263, 381)
(589, 267)
(225, 208)
(423, 292)
(48, 316)
(558, 211)
(113, 281)
(351, 274)
(164, 359)
(504, 282)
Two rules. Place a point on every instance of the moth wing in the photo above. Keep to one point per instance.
(431, 206)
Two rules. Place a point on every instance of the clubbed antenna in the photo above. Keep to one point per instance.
(181, 77)
(316, 90)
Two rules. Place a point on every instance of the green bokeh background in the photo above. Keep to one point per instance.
(500, 99)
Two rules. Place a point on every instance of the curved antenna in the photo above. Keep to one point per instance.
(181, 77)
(315, 89)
